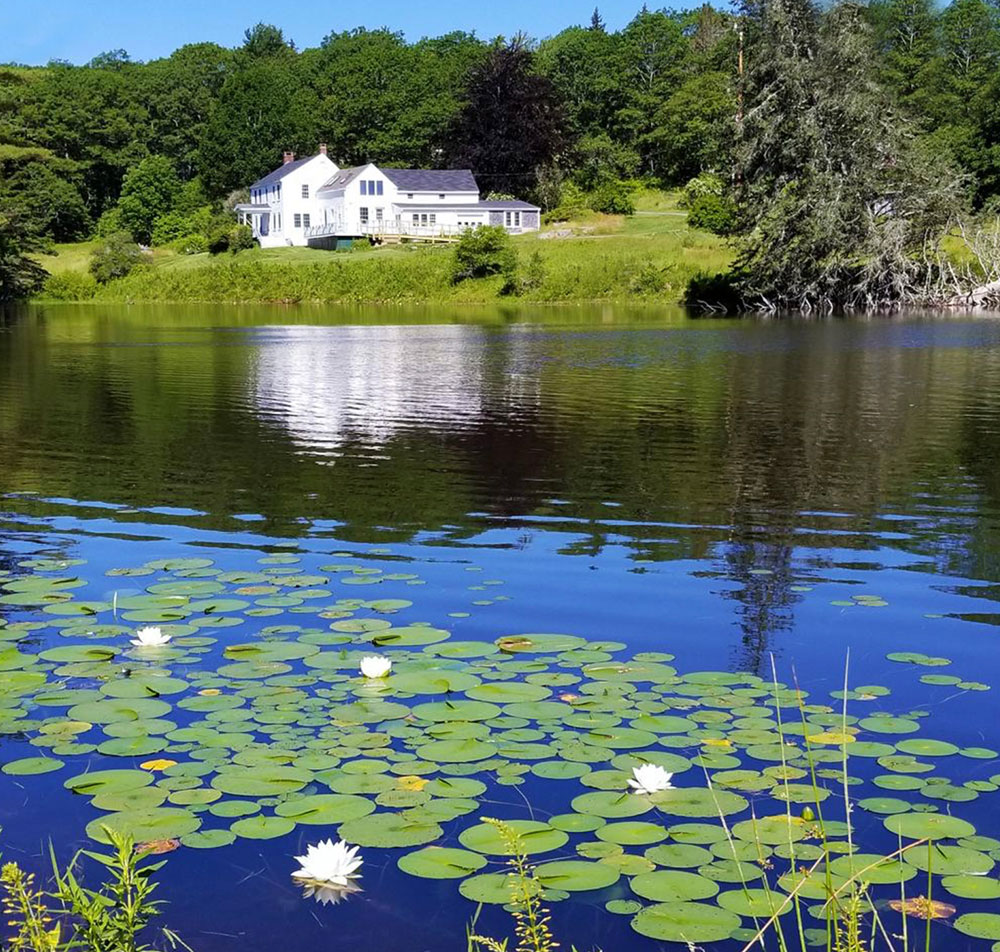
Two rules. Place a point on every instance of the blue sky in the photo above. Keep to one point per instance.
(35, 31)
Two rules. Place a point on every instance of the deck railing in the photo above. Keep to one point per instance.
(386, 228)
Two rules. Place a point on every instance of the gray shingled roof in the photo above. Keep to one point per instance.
(279, 173)
(509, 203)
(432, 180)
(343, 177)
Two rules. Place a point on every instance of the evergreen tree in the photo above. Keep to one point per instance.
(836, 201)
(596, 21)
(20, 275)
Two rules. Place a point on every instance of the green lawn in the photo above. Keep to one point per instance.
(651, 255)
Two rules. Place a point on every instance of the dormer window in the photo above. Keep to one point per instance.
(409, 194)
(441, 196)
(305, 191)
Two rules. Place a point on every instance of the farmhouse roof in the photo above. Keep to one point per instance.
(508, 203)
(432, 180)
(279, 173)
(343, 177)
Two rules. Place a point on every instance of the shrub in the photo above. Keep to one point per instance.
(707, 183)
(714, 213)
(612, 198)
(572, 204)
(648, 280)
(190, 245)
(482, 252)
(218, 240)
(177, 224)
(532, 278)
(117, 257)
(241, 238)
(169, 227)
(70, 286)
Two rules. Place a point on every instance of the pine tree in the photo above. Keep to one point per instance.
(596, 21)
(836, 200)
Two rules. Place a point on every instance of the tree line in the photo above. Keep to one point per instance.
(671, 97)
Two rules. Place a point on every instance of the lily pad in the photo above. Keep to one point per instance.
(685, 922)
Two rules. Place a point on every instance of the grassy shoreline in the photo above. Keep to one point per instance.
(651, 256)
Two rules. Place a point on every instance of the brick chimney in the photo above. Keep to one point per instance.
(288, 157)
(322, 148)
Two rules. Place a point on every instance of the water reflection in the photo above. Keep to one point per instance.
(332, 386)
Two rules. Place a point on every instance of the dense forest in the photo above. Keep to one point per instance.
(156, 148)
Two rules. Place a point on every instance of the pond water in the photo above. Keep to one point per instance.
(283, 490)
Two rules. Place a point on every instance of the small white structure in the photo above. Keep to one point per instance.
(313, 202)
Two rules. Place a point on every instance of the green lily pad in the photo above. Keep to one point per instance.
(967, 886)
(262, 827)
(440, 862)
(574, 875)
(979, 925)
(30, 766)
(390, 830)
(611, 805)
(261, 781)
(534, 837)
(632, 833)
(673, 885)
(325, 808)
(159, 823)
(685, 922)
(933, 826)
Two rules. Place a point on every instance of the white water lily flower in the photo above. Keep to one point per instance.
(329, 870)
(375, 666)
(650, 778)
(151, 637)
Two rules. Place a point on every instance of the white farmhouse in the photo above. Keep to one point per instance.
(313, 202)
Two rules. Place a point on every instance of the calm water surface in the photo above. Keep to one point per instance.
(704, 488)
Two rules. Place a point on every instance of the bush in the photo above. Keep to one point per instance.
(482, 252)
(708, 183)
(190, 245)
(714, 213)
(572, 204)
(170, 227)
(70, 286)
(612, 198)
(532, 278)
(117, 257)
(241, 239)
(179, 224)
(218, 241)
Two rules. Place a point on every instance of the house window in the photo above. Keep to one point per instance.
(298, 220)
(378, 187)
(423, 219)
(409, 194)
(305, 191)
(441, 196)
(364, 187)
(305, 221)
(416, 219)
(433, 218)
(364, 215)
(378, 214)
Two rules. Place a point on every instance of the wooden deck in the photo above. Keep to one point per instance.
(386, 232)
